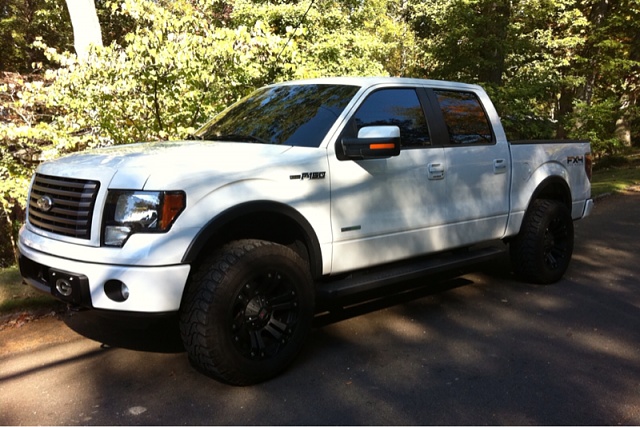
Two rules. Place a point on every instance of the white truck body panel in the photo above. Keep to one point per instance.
(533, 163)
(362, 213)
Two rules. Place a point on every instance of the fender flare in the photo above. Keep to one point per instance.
(553, 187)
(549, 186)
(218, 222)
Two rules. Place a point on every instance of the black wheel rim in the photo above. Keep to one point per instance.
(264, 315)
(556, 243)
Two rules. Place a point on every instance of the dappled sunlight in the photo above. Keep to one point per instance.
(386, 325)
(65, 353)
(406, 329)
(492, 334)
(354, 390)
(379, 197)
(600, 255)
(549, 303)
(474, 358)
(480, 349)
(482, 344)
(49, 384)
(596, 341)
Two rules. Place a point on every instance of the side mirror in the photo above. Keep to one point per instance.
(373, 142)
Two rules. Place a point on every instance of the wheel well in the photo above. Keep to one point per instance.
(259, 220)
(553, 188)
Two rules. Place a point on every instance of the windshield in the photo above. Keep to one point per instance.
(298, 115)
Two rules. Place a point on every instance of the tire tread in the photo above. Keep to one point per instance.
(525, 249)
(196, 327)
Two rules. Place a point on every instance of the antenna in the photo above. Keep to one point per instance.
(294, 31)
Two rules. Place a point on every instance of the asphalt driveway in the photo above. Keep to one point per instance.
(477, 349)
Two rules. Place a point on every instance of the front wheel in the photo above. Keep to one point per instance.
(543, 249)
(247, 312)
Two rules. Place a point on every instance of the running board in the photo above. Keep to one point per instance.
(373, 279)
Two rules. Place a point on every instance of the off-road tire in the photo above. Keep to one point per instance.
(247, 311)
(542, 250)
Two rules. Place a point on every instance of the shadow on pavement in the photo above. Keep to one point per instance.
(163, 336)
(159, 336)
(346, 308)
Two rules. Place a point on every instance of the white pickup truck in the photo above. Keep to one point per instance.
(301, 191)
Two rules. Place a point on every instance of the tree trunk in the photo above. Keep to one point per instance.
(563, 111)
(495, 35)
(9, 228)
(86, 27)
(623, 124)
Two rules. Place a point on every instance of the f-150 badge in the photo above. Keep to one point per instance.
(309, 175)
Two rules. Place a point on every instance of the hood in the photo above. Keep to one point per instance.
(130, 166)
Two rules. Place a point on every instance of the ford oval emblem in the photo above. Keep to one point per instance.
(45, 203)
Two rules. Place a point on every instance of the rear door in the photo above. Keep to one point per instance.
(477, 168)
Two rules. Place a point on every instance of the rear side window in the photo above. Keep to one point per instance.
(465, 118)
(396, 107)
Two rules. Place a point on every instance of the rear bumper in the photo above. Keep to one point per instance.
(152, 290)
(588, 207)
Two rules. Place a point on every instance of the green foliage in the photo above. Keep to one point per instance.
(366, 38)
(178, 66)
(175, 68)
(466, 39)
(26, 138)
(553, 68)
(522, 111)
(616, 173)
(21, 22)
(595, 122)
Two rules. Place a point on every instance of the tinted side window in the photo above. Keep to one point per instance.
(396, 107)
(465, 118)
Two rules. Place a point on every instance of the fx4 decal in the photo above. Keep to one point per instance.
(575, 160)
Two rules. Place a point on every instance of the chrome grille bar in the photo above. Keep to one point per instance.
(63, 205)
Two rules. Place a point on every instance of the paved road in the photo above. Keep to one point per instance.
(479, 349)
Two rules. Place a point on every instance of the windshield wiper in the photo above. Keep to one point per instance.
(234, 137)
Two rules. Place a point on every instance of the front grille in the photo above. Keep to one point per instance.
(63, 205)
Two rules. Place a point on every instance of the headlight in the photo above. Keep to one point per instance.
(129, 212)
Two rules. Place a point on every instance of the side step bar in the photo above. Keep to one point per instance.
(379, 277)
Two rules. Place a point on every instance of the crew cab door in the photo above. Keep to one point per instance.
(385, 209)
(477, 167)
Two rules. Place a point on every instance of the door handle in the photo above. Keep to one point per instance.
(436, 171)
(499, 166)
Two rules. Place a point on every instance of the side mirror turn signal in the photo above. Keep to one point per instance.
(373, 142)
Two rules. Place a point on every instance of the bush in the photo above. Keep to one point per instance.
(180, 63)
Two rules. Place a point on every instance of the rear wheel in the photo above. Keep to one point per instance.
(247, 312)
(543, 249)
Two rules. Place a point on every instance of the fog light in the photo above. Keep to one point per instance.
(116, 290)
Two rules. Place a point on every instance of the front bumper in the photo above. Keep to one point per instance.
(152, 290)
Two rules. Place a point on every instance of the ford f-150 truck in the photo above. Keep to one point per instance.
(301, 191)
